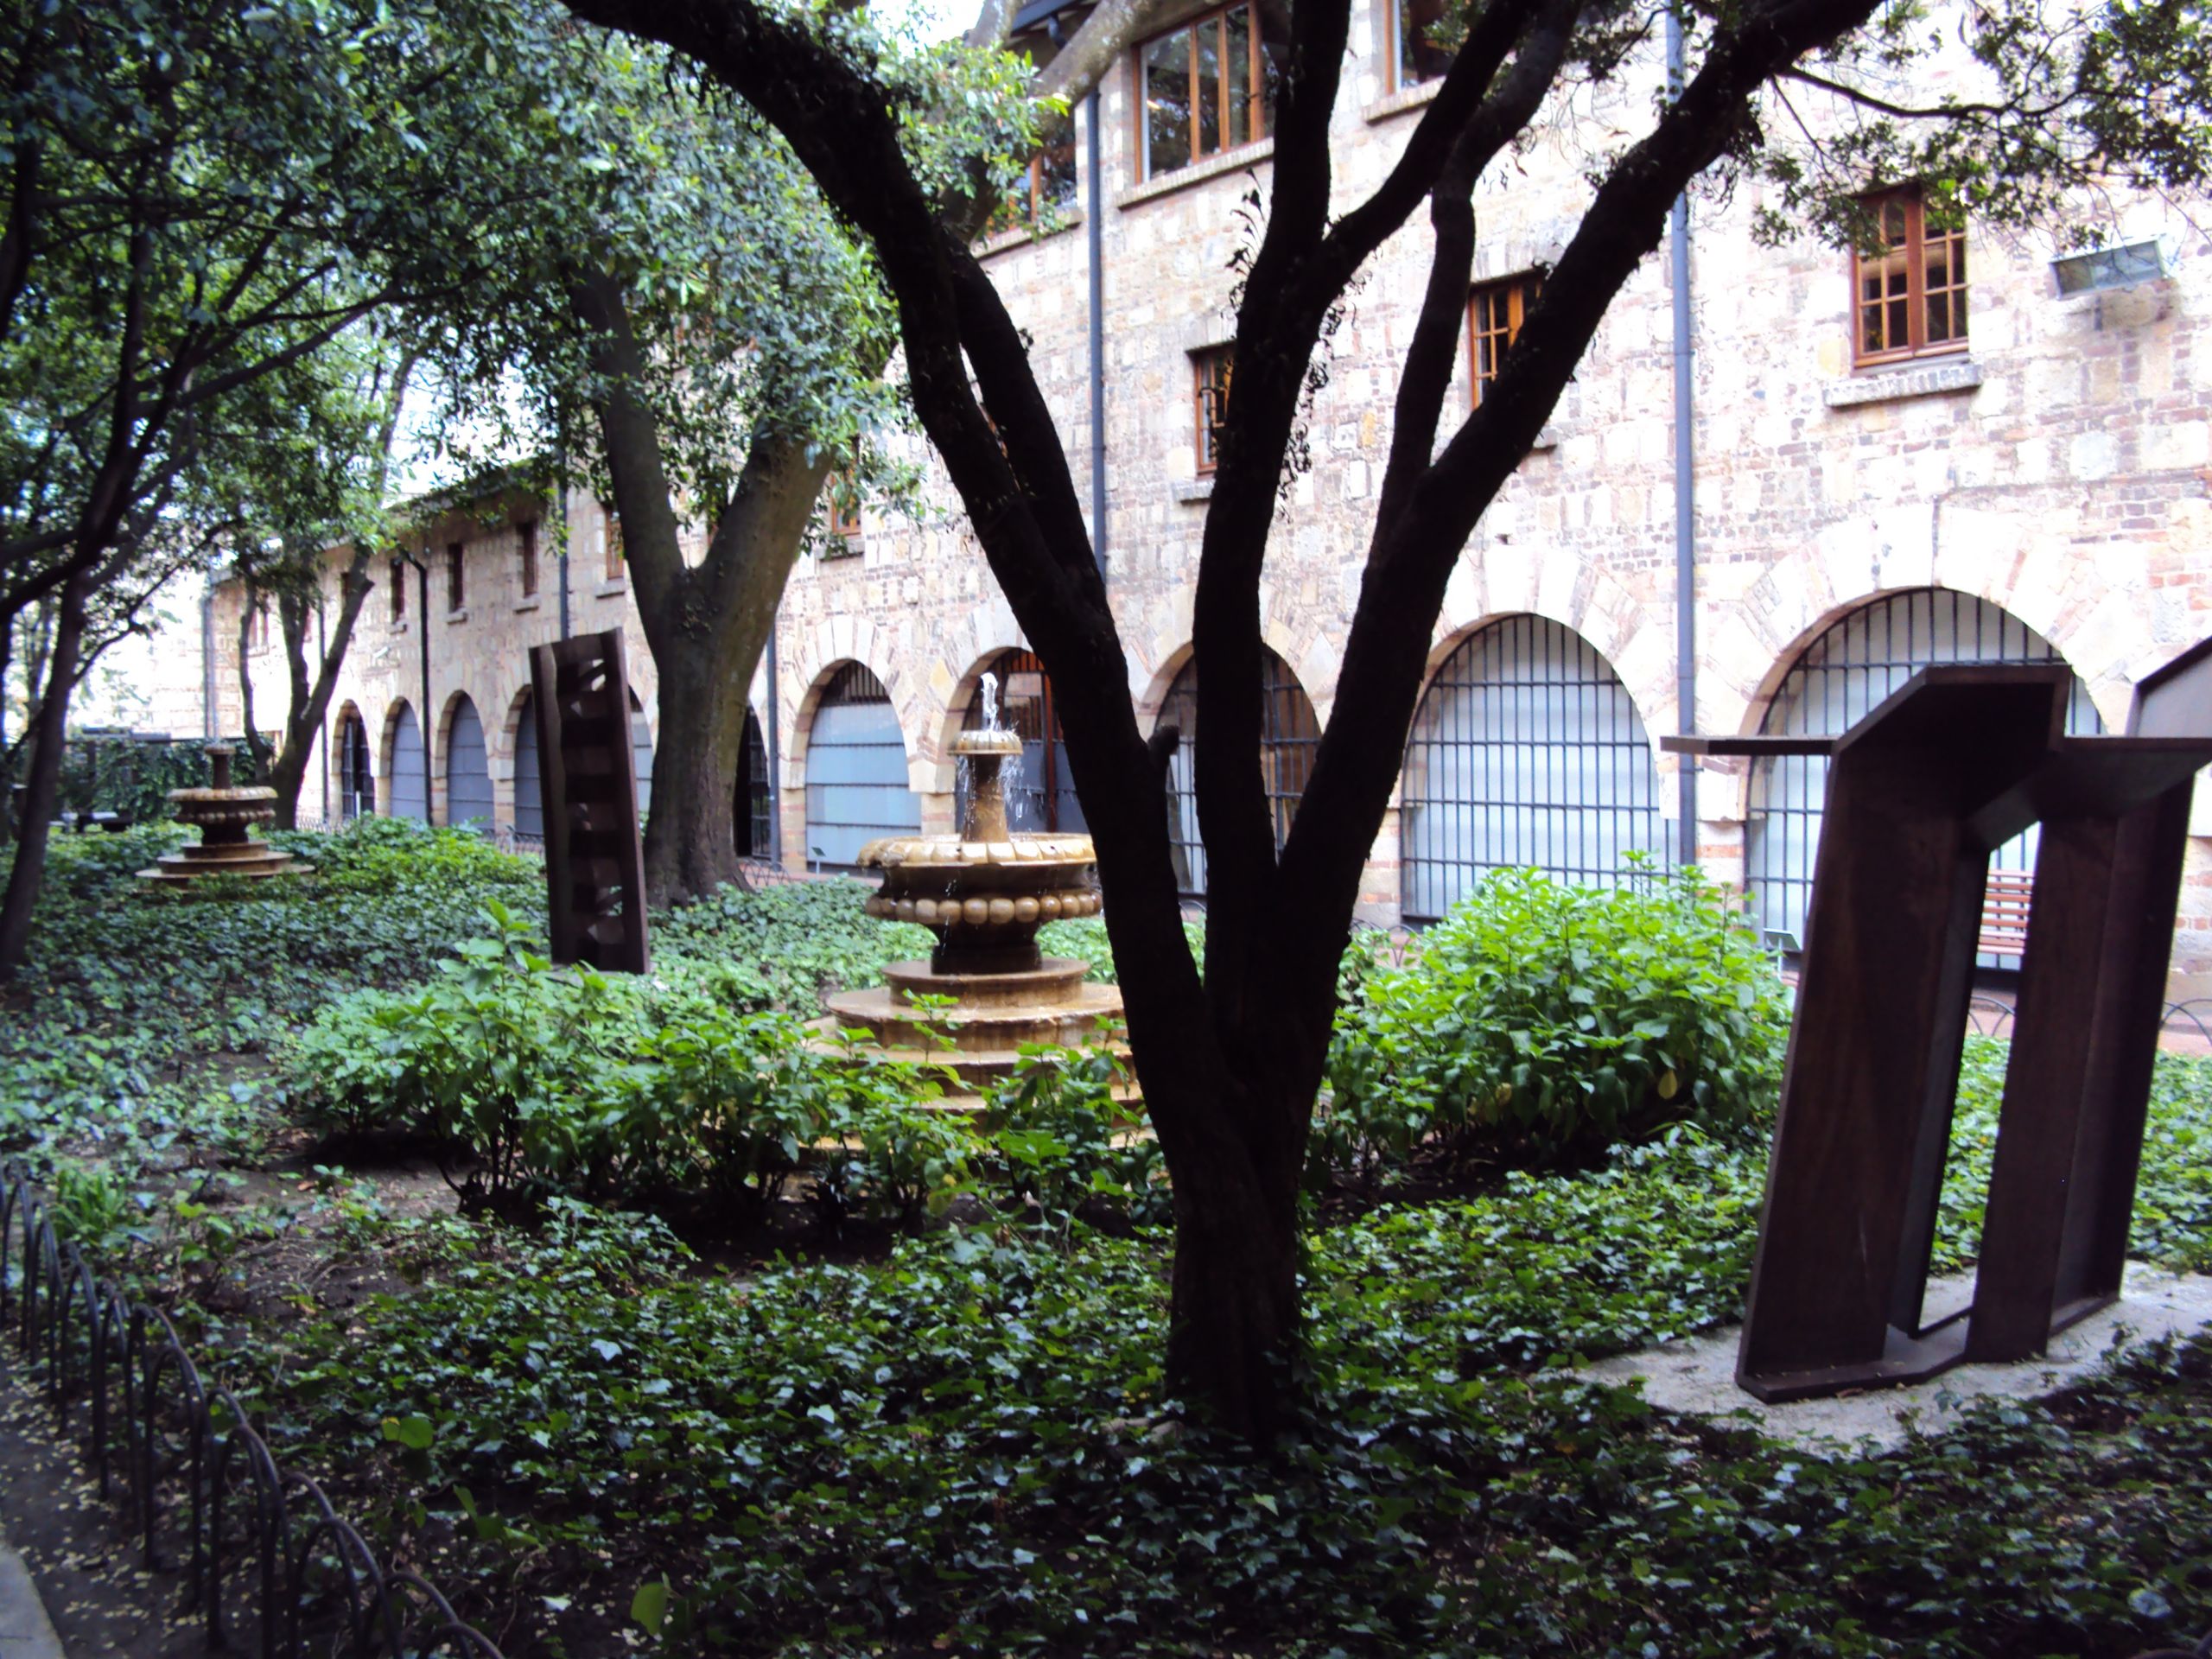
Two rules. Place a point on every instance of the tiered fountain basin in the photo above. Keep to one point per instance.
(224, 817)
(983, 893)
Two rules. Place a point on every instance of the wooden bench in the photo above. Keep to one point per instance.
(2005, 912)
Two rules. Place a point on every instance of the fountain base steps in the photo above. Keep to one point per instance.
(255, 860)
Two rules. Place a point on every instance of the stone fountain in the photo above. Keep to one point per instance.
(983, 892)
(223, 814)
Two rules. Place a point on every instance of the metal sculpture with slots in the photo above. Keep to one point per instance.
(269, 1567)
(1958, 761)
(594, 862)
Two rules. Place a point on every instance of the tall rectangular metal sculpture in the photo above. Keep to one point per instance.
(1962, 758)
(595, 861)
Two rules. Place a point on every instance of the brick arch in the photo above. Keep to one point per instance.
(507, 749)
(832, 644)
(937, 762)
(1310, 658)
(1653, 698)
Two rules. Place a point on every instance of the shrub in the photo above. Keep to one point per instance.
(1547, 1022)
(1052, 1139)
(796, 943)
(1084, 939)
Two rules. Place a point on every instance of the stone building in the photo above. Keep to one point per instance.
(1940, 452)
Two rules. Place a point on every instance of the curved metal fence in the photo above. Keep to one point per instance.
(269, 1565)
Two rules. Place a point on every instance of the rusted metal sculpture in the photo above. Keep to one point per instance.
(594, 862)
(1961, 758)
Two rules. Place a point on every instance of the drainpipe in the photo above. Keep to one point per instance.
(207, 721)
(1678, 236)
(422, 627)
(560, 487)
(1098, 240)
(775, 759)
(322, 657)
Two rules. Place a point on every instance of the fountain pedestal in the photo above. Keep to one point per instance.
(984, 893)
(223, 814)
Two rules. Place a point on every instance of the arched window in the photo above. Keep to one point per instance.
(1839, 678)
(1526, 752)
(410, 778)
(357, 768)
(751, 813)
(1289, 734)
(1041, 796)
(855, 769)
(468, 771)
(530, 789)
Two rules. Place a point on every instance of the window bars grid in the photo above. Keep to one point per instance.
(1289, 736)
(857, 787)
(756, 802)
(1835, 682)
(1526, 750)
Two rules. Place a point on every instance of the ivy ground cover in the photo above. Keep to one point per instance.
(962, 1445)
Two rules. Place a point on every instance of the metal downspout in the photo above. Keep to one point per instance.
(321, 660)
(208, 718)
(1678, 236)
(1097, 250)
(423, 627)
(560, 487)
(775, 742)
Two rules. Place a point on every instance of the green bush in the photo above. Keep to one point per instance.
(1052, 1139)
(797, 944)
(1548, 1023)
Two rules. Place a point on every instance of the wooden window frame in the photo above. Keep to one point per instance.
(611, 522)
(1025, 205)
(1914, 249)
(526, 551)
(1255, 90)
(1205, 389)
(1520, 291)
(841, 526)
(1391, 31)
(399, 590)
(456, 577)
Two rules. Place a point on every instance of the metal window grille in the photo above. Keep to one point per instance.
(1835, 682)
(1041, 796)
(530, 797)
(754, 802)
(357, 769)
(411, 779)
(1526, 750)
(468, 771)
(856, 770)
(1289, 736)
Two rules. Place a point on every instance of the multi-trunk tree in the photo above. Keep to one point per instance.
(1230, 1064)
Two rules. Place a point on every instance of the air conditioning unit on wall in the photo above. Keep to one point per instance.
(2099, 269)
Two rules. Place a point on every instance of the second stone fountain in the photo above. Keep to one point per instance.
(983, 892)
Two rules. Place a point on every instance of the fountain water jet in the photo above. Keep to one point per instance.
(983, 892)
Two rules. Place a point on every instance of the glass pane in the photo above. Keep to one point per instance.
(1430, 32)
(1239, 69)
(1208, 35)
(1168, 104)
(1056, 186)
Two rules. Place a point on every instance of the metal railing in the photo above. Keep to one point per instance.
(268, 1564)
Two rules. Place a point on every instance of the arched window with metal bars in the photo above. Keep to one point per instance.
(855, 769)
(529, 788)
(357, 768)
(1289, 735)
(1526, 752)
(1041, 796)
(1848, 669)
(411, 773)
(751, 813)
(468, 771)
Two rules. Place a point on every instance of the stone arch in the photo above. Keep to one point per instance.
(354, 763)
(834, 643)
(1290, 737)
(464, 764)
(404, 773)
(1830, 680)
(1526, 749)
(856, 791)
(518, 734)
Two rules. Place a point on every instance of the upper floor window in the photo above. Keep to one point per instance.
(1426, 34)
(844, 513)
(457, 594)
(1209, 85)
(1495, 314)
(1210, 376)
(613, 525)
(1910, 287)
(526, 534)
(1048, 188)
(258, 630)
(399, 590)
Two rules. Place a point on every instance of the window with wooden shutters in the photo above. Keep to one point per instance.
(1210, 376)
(1909, 288)
(399, 590)
(613, 523)
(527, 533)
(1208, 86)
(456, 592)
(1495, 314)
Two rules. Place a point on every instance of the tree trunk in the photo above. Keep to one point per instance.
(50, 733)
